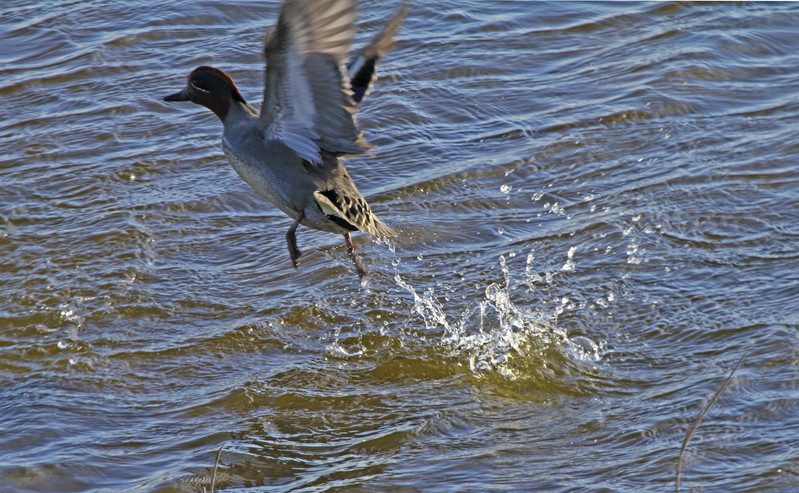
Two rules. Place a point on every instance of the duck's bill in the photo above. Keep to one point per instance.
(178, 96)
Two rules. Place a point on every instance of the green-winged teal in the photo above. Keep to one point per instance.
(290, 153)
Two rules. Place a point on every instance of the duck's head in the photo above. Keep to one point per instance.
(211, 88)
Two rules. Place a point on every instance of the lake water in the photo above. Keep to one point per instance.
(599, 214)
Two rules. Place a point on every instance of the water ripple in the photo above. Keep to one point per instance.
(598, 213)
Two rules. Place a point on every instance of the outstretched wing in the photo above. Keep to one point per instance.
(362, 67)
(308, 104)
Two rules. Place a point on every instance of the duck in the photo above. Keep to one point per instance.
(290, 152)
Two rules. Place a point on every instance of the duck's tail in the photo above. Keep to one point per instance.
(354, 212)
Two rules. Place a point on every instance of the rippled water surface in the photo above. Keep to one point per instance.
(599, 214)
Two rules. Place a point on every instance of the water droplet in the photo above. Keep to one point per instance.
(569, 265)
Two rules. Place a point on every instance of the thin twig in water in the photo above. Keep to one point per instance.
(701, 417)
(216, 465)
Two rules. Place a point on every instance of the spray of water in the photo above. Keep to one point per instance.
(497, 335)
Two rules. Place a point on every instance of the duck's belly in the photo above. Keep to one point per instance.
(290, 192)
(265, 182)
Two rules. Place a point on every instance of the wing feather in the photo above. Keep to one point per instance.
(362, 67)
(307, 100)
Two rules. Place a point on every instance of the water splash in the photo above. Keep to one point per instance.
(569, 265)
(499, 336)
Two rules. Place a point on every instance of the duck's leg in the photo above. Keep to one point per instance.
(291, 239)
(354, 256)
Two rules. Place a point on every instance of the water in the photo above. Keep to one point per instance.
(599, 213)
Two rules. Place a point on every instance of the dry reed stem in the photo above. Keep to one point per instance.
(699, 420)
